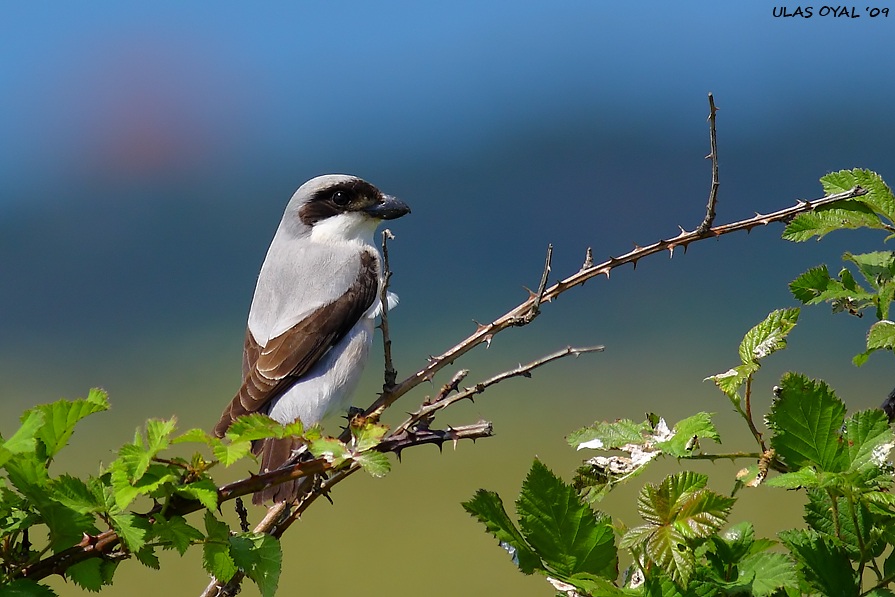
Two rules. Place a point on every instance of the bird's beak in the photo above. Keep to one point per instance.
(389, 209)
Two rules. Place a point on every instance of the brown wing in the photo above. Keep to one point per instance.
(270, 370)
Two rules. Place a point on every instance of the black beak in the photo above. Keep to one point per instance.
(389, 208)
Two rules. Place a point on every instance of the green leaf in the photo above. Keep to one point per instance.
(769, 572)
(877, 267)
(334, 451)
(869, 439)
(375, 463)
(881, 335)
(23, 440)
(564, 532)
(487, 507)
(195, 436)
(816, 286)
(147, 557)
(62, 416)
(879, 197)
(132, 529)
(203, 490)
(607, 436)
(732, 380)
(769, 336)
(681, 443)
(848, 214)
(216, 558)
(174, 532)
(66, 526)
(826, 566)
(258, 426)
(74, 493)
(843, 526)
(806, 417)
(92, 574)
(367, 436)
(854, 213)
(260, 556)
(804, 477)
(25, 587)
(233, 452)
(678, 511)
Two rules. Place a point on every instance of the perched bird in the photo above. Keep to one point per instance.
(311, 321)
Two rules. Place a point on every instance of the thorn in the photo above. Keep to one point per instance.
(670, 251)
(531, 294)
(588, 259)
(488, 340)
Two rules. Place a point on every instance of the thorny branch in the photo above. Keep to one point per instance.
(390, 375)
(486, 332)
(713, 155)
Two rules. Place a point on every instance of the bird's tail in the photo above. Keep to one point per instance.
(274, 454)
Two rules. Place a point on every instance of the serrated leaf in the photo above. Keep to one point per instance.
(881, 335)
(564, 532)
(846, 526)
(216, 558)
(769, 336)
(195, 436)
(23, 440)
(368, 436)
(849, 214)
(769, 572)
(375, 463)
(260, 557)
(826, 566)
(331, 449)
(147, 557)
(233, 452)
(203, 490)
(804, 477)
(487, 508)
(869, 439)
(731, 380)
(158, 434)
(66, 526)
(816, 286)
(87, 574)
(678, 510)
(132, 529)
(62, 416)
(74, 493)
(607, 436)
(877, 267)
(257, 426)
(25, 587)
(879, 197)
(681, 442)
(806, 417)
(127, 489)
(176, 533)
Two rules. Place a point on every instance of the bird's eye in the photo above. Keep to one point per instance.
(341, 198)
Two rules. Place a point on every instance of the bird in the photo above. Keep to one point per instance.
(311, 321)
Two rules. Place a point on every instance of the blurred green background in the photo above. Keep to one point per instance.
(149, 151)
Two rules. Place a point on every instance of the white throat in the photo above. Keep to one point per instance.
(348, 227)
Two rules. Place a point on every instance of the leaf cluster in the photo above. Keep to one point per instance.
(138, 503)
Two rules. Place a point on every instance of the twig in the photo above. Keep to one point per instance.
(713, 155)
(535, 309)
(426, 411)
(390, 375)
